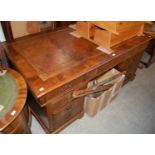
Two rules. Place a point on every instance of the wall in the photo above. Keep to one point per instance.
(2, 37)
(23, 28)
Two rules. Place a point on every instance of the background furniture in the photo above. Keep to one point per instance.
(17, 29)
(14, 112)
(109, 33)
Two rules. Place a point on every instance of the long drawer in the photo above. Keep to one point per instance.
(65, 91)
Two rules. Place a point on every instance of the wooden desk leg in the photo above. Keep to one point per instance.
(81, 116)
(28, 131)
(29, 122)
(50, 118)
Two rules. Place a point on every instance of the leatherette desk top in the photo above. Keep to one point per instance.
(50, 60)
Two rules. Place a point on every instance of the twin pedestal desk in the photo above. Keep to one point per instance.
(56, 64)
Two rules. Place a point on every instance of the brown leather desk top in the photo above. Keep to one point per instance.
(50, 60)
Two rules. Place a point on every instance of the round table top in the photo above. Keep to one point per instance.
(13, 93)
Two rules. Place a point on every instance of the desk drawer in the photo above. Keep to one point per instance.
(64, 114)
(65, 91)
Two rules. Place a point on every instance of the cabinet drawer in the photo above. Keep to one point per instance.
(63, 114)
(63, 91)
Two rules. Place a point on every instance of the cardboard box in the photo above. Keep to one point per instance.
(96, 102)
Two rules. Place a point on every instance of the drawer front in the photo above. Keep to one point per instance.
(130, 66)
(54, 95)
(64, 114)
(65, 91)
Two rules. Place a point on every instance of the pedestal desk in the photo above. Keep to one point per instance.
(55, 64)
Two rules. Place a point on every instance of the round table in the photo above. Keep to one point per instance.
(14, 112)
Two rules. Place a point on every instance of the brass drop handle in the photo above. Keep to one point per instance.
(91, 90)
